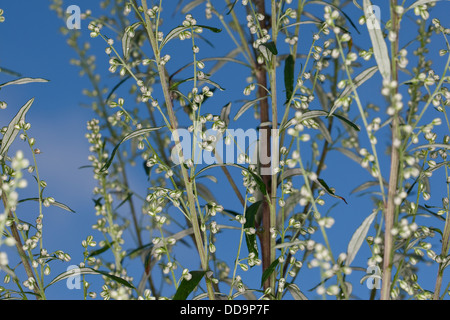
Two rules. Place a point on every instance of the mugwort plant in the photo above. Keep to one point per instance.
(239, 203)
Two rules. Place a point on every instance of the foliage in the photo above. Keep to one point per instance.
(271, 207)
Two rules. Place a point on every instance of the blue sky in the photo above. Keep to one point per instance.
(32, 45)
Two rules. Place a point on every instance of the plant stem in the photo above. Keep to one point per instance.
(173, 129)
(445, 238)
(394, 170)
(18, 241)
(273, 141)
(265, 237)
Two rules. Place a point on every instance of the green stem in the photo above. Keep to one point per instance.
(173, 129)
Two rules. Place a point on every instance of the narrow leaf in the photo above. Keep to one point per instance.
(23, 81)
(318, 23)
(131, 135)
(266, 274)
(380, 50)
(177, 236)
(205, 193)
(126, 39)
(232, 6)
(295, 291)
(247, 106)
(56, 204)
(365, 186)
(298, 171)
(289, 66)
(191, 5)
(257, 178)
(250, 214)
(319, 113)
(271, 46)
(101, 250)
(176, 84)
(350, 154)
(350, 123)
(115, 278)
(327, 189)
(187, 286)
(357, 81)
(11, 132)
(268, 50)
(432, 146)
(82, 271)
(288, 244)
(324, 130)
(176, 31)
(419, 3)
(358, 238)
(337, 8)
(10, 72)
(225, 114)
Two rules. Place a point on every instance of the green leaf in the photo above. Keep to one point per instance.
(176, 31)
(150, 247)
(291, 203)
(350, 123)
(426, 172)
(220, 61)
(289, 66)
(358, 238)
(365, 186)
(337, 8)
(319, 113)
(432, 146)
(10, 72)
(357, 81)
(257, 178)
(86, 270)
(288, 244)
(11, 132)
(129, 136)
(176, 84)
(116, 279)
(350, 154)
(225, 114)
(23, 81)
(271, 46)
(126, 39)
(268, 50)
(327, 189)
(318, 23)
(419, 3)
(205, 193)
(101, 250)
(298, 171)
(266, 274)
(136, 252)
(232, 6)
(191, 5)
(324, 130)
(295, 291)
(380, 50)
(250, 215)
(247, 106)
(56, 204)
(187, 286)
